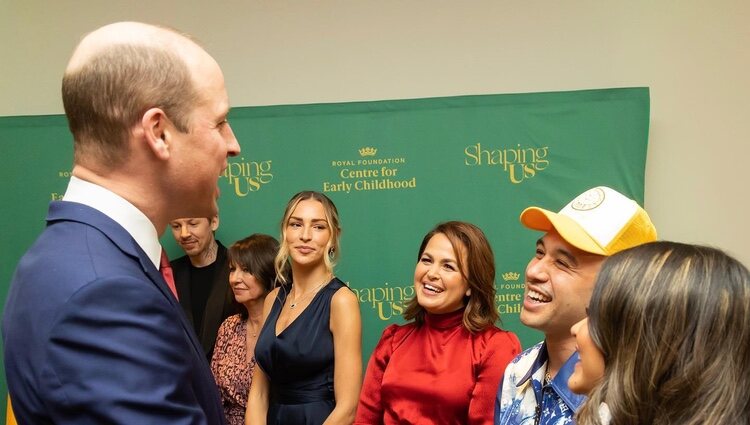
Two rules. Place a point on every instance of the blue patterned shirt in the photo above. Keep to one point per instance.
(523, 399)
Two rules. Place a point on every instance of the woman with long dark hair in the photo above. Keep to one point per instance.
(667, 339)
(444, 366)
(251, 277)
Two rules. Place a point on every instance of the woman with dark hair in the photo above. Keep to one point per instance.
(251, 277)
(310, 348)
(667, 339)
(443, 367)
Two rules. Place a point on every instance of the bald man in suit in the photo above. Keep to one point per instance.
(92, 333)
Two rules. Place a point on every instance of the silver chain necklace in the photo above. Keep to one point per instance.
(294, 303)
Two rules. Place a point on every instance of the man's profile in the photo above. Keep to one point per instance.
(91, 332)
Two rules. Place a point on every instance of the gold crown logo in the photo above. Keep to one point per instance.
(368, 151)
(510, 276)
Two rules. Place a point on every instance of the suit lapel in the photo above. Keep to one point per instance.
(72, 211)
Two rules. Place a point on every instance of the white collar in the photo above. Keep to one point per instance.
(120, 210)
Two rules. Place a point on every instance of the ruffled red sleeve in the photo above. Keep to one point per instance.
(497, 350)
(370, 408)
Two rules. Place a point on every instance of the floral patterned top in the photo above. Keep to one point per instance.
(231, 369)
(525, 398)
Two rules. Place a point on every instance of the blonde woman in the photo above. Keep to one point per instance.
(309, 351)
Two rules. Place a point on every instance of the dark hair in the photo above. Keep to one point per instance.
(673, 323)
(106, 96)
(478, 271)
(332, 216)
(255, 254)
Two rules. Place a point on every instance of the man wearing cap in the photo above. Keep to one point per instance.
(559, 281)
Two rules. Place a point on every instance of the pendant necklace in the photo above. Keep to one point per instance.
(294, 303)
(253, 330)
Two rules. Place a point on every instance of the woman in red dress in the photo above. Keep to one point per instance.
(445, 365)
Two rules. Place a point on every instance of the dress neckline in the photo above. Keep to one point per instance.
(304, 310)
(445, 320)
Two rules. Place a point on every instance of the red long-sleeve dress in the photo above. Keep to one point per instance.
(437, 373)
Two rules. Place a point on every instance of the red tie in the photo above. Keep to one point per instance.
(166, 271)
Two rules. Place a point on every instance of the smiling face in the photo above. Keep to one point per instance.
(307, 234)
(246, 288)
(438, 282)
(194, 235)
(590, 367)
(559, 282)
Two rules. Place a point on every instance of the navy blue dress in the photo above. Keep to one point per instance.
(299, 361)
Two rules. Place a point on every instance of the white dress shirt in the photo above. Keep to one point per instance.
(118, 209)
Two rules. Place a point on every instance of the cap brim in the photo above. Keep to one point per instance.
(543, 220)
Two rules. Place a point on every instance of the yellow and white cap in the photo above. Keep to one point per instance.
(600, 221)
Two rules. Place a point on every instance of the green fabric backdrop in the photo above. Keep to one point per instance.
(394, 170)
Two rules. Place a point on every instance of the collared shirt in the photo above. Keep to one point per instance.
(118, 209)
(525, 399)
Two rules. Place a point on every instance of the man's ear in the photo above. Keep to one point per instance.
(156, 132)
(214, 222)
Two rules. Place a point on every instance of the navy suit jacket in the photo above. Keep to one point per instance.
(92, 334)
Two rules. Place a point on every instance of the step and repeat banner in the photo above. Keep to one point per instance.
(394, 170)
